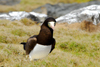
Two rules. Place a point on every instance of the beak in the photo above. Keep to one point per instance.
(52, 25)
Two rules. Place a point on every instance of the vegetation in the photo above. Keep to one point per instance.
(77, 45)
(74, 47)
(29, 5)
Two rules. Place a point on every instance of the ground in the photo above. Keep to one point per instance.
(74, 47)
(77, 45)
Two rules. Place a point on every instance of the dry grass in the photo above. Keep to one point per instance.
(84, 25)
(78, 44)
(74, 47)
(27, 22)
(29, 5)
(89, 26)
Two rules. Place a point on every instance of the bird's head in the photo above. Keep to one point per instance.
(50, 22)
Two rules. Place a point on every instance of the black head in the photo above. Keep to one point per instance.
(50, 22)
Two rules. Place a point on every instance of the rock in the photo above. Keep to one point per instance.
(40, 17)
(89, 13)
(60, 9)
(9, 2)
(22, 14)
(62, 12)
(34, 18)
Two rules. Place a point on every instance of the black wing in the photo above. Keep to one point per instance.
(53, 44)
(29, 45)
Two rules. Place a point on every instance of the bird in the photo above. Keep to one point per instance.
(39, 46)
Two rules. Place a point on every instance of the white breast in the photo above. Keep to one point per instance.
(39, 52)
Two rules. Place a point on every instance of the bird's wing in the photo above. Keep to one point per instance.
(31, 42)
(29, 45)
(53, 44)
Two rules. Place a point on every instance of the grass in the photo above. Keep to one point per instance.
(27, 22)
(74, 48)
(77, 44)
(29, 5)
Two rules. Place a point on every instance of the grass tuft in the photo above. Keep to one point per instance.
(88, 26)
(27, 22)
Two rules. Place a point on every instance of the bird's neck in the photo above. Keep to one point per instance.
(45, 36)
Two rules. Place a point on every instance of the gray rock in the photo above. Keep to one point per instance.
(60, 9)
(22, 14)
(89, 13)
(62, 12)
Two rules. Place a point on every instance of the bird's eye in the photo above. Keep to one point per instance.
(48, 24)
(54, 23)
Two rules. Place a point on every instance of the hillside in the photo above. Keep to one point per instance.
(74, 47)
(29, 5)
(77, 44)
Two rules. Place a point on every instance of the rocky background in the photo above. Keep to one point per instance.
(60, 9)
(63, 12)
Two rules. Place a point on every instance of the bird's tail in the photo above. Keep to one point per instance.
(24, 43)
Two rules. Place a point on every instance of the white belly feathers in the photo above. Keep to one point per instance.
(39, 52)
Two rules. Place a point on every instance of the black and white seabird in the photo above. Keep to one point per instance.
(39, 46)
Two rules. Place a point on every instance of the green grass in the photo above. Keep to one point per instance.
(27, 22)
(18, 32)
(82, 43)
(74, 48)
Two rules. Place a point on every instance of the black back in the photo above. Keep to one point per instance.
(45, 36)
